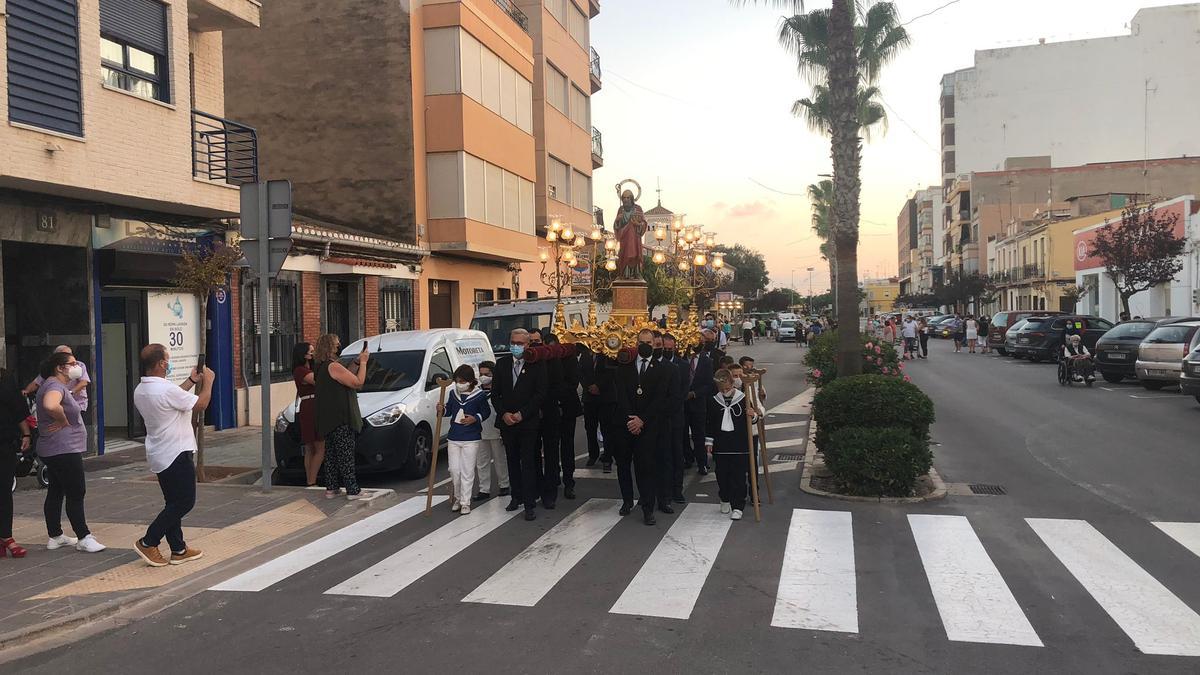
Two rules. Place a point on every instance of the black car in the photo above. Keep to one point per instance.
(1042, 337)
(1117, 350)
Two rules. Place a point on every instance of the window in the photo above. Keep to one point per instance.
(484, 295)
(577, 24)
(581, 191)
(580, 108)
(133, 47)
(558, 9)
(43, 65)
(504, 294)
(395, 305)
(439, 367)
(465, 186)
(556, 88)
(391, 371)
(531, 295)
(557, 175)
(457, 63)
(285, 326)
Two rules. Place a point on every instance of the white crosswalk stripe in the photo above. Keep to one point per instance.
(817, 585)
(1155, 619)
(326, 547)
(1187, 534)
(974, 602)
(414, 561)
(670, 582)
(527, 578)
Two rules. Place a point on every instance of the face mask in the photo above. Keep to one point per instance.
(737, 383)
(463, 387)
(709, 323)
(645, 350)
(658, 352)
(708, 345)
(518, 351)
(169, 368)
(485, 380)
(74, 372)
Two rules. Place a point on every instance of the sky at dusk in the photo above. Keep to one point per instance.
(698, 93)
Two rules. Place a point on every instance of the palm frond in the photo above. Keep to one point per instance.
(807, 36)
(815, 113)
(792, 5)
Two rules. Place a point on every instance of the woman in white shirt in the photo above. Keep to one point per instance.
(972, 328)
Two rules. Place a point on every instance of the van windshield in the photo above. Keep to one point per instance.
(390, 371)
(498, 328)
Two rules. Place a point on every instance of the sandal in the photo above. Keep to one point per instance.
(10, 547)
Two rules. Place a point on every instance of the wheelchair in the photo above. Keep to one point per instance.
(1069, 368)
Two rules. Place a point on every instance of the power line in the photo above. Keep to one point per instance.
(767, 187)
(910, 127)
(609, 71)
(930, 12)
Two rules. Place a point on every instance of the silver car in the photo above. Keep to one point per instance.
(1189, 379)
(787, 331)
(1161, 354)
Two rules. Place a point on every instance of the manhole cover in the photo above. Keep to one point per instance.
(788, 457)
(987, 489)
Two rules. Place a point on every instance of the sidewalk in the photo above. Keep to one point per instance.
(49, 590)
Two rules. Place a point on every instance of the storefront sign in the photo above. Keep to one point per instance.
(173, 320)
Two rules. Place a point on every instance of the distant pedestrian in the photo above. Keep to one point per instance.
(467, 407)
(167, 409)
(491, 448)
(909, 332)
(774, 332)
(62, 441)
(923, 336)
(747, 331)
(78, 386)
(957, 327)
(14, 437)
(338, 418)
(311, 443)
(889, 331)
(971, 332)
(985, 326)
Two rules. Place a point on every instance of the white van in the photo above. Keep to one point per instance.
(398, 402)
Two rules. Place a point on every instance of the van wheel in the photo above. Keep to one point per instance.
(422, 453)
(1112, 377)
(1153, 385)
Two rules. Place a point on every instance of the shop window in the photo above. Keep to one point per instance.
(395, 305)
(284, 317)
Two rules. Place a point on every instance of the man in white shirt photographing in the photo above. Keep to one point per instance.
(170, 442)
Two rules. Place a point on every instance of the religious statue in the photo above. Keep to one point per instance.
(629, 227)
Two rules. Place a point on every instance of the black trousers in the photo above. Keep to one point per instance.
(66, 481)
(566, 449)
(635, 457)
(521, 451)
(677, 436)
(178, 484)
(615, 435)
(591, 424)
(550, 470)
(8, 467)
(694, 414)
(664, 462)
(924, 337)
(733, 472)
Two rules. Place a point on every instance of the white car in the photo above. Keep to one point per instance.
(398, 402)
(787, 331)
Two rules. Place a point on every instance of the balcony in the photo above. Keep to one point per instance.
(597, 149)
(510, 8)
(222, 150)
(594, 69)
(220, 15)
(593, 8)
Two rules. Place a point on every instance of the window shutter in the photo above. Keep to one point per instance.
(141, 23)
(43, 64)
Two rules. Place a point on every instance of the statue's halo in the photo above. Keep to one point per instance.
(635, 184)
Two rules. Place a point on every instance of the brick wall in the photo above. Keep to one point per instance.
(310, 306)
(370, 306)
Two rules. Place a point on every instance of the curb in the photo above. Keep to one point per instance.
(813, 464)
(51, 627)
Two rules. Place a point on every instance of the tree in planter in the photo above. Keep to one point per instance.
(1140, 252)
(202, 270)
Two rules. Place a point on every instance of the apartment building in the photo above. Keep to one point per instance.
(926, 273)
(116, 154)
(906, 245)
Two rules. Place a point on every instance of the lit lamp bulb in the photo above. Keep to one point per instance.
(710, 240)
(555, 225)
(677, 223)
(610, 265)
(568, 234)
(660, 233)
(683, 266)
(688, 237)
(610, 244)
(543, 255)
(552, 235)
(718, 260)
(700, 260)
(658, 257)
(597, 235)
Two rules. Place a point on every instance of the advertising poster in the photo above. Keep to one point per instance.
(173, 320)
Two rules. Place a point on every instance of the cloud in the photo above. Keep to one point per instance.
(756, 209)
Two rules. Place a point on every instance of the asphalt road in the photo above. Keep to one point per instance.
(1064, 573)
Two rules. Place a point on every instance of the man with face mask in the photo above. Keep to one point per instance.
(711, 345)
(642, 390)
(550, 427)
(519, 390)
(676, 421)
(700, 388)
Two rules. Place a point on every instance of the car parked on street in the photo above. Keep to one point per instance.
(398, 401)
(1002, 321)
(941, 327)
(1189, 376)
(787, 331)
(1042, 337)
(1010, 338)
(1161, 354)
(1117, 350)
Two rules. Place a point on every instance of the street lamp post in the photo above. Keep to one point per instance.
(810, 291)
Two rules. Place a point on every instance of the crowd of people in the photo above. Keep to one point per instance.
(911, 334)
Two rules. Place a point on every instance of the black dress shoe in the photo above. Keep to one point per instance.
(679, 500)
(703, 471)
(530, 514)
(548, 504)
(666, 508)
(504, 492)
(626, 508)
(569, 492)
(591, 462)
(482, 496)
(513, 505)
(649, 518)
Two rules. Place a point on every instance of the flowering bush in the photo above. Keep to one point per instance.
(879, 358)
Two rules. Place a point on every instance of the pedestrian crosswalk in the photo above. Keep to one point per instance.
(818, 582)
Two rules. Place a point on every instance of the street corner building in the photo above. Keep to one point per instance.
(116, 153)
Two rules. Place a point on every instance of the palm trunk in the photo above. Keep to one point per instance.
(198, 417)
(847, 155)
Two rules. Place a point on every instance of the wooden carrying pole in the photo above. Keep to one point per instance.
(437, 435)
(762, 440)
(748, 389)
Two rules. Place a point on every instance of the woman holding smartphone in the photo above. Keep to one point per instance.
(338, 418)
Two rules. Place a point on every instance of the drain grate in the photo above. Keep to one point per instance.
(788, 457)
(987, 489)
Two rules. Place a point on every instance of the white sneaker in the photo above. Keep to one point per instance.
(60, 541)
(456, 506)
(89, 545)
(736, 515)
(465, 509)
(724, 507)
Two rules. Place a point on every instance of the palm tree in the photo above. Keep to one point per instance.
(817, 113)
(878, 39)
(820, 195)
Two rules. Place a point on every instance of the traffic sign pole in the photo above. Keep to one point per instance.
(264, 334)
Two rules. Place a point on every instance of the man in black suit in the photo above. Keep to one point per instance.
(700, 388)
(642, 389)
(571, 408)
(589, 366)
(549, 429)
(518, 393)
(677, 415)
(668, 433)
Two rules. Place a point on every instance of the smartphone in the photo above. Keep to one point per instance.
(200, 363)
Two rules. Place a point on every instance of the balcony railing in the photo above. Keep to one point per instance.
(510, 8)
(223, 150)
(597, 145)
(594, 65)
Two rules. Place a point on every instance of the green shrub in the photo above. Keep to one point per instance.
(870, 401)
(879, 358)
(878, 461)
